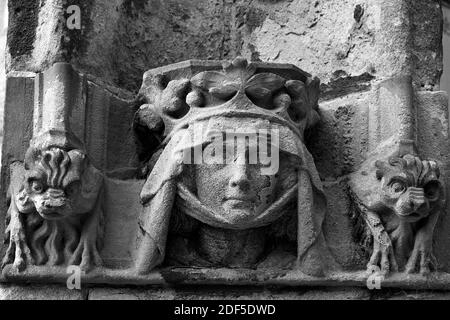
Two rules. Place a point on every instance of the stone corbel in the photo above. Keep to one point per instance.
(398, 195)
(55, 214)
(229, 95)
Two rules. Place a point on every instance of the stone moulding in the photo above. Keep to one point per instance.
(172, 223)
(54, 215)
(226, 277)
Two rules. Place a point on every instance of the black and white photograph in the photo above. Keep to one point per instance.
(225, 156)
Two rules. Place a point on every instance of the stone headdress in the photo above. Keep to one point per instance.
(241, 96)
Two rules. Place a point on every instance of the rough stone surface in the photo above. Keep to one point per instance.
(53, 292)
(232, 293)
(338, 227)
(341, 41)
(3, 30)
(39, 292)
(340, 142)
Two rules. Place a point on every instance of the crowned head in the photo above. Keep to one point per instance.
(183, 93)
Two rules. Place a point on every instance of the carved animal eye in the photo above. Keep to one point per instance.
(72, 188)
(398, 187)
(432, 190)
(37, 186)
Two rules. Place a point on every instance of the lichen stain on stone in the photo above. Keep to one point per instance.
(358, 34)
(76, 41)
(358, 13)
(131, 6)
(342, 84)
(179, 277)
(250, 16)
(20, 38)
(255, 55)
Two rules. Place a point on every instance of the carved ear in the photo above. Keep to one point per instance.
(77, 161)
(434, 167)
(23, 202)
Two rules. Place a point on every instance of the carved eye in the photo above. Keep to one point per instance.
(432, 190)
(397, 186)
(37, 186)
(73, 188)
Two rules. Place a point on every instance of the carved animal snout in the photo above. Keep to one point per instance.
(55, 198)
(416, 198)
(413, 203)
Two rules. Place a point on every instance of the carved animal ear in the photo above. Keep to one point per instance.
(434, 167)
(23, 202)
(31, 156)
(77, 160)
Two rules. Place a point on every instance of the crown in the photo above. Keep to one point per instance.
(183, 93)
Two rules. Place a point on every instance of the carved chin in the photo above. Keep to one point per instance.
(54, 213)
(410, 216)
(237, 212)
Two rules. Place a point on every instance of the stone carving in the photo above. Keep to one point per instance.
(400, 203)
(54, 215)
(211, 201)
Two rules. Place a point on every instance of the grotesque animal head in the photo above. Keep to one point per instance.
(56, 183)
(410, 187)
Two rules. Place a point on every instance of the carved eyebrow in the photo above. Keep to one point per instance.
(401, 175)
(37, 175)
(406, 177)
(429, 178)
(400, 178)
(67, 182)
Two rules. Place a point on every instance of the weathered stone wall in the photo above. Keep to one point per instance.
(3, 28)
(342, 42)
(445, 80)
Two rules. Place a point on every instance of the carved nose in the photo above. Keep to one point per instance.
(55, 193)
(240, 179)
(417, 198)
(55, 198)
(418, 206)
(55, 204)
(415, 205)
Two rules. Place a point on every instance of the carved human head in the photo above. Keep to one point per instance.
(241, 189)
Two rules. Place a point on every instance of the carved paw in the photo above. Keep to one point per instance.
(383, 257)
(421, 255)
(86, 254)
(18, 253)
